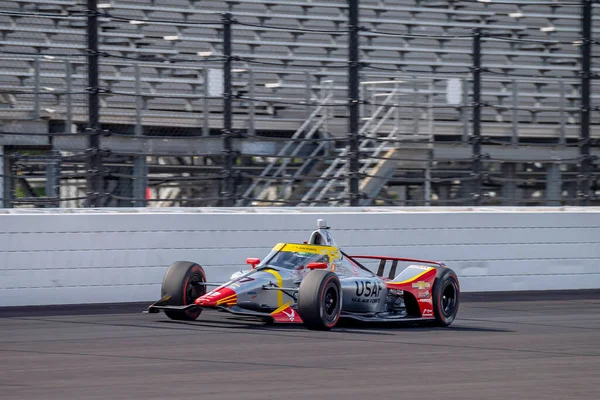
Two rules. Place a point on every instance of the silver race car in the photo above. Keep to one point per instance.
(315, 283)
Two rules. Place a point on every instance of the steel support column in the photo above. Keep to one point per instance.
(476, 139)
(69, 96)
(228, 191)
(553, 184)
(205, 105)
(8, 191)
(464, 111)
(140, 167)
(252, 104)
(94, 159)
(584, 183)
(37, 88)
(53, 178)
(353, 103)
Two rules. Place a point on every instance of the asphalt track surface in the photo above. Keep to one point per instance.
(527, 349)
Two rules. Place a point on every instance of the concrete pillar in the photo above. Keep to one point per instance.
(553, 184)
(509, 187)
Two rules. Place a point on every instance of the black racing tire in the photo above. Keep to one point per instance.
(446, 296)
(178, 283)
(320, 300)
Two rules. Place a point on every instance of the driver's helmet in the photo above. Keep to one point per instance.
(322, 236)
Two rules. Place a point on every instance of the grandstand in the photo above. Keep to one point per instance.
(161, 103)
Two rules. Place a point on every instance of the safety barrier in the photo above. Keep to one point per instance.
(72, 256)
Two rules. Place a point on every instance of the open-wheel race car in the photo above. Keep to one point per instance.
(315, 283)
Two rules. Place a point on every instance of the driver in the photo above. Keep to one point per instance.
(321, 236)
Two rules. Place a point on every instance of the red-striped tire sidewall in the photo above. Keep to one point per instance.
(324, 287)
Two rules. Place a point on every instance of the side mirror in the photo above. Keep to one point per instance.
(321, 265)
(253, 261)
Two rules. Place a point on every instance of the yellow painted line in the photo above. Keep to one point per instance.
(279, 283)
(414, 278)
(283, 307)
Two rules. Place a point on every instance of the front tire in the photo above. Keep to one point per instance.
(320, 300)
(446, 293)
(180, 283)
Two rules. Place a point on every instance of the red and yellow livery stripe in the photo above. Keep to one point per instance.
(414, 278)
(218, 297)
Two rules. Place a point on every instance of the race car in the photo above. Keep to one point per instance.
(316, 284)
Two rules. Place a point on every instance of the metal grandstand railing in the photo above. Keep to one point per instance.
(332, 181)
(278, 168)
(157, 126)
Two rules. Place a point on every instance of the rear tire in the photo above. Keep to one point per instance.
(179, 284)
(446, 293)
(320, 300)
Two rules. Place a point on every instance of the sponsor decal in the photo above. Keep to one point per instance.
(291, 315)
(307, 249)
(423, 295)
(428, 312)
(335, 254)
(420, 267)
(286, 314)
(367, 288)
(367, 292)
(425, 301)
(421, 285)
(366, 300)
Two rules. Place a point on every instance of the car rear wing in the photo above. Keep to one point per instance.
(395, 260)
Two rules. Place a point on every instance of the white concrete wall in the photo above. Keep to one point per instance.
(95, 256)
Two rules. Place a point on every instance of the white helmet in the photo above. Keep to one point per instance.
(321, 236)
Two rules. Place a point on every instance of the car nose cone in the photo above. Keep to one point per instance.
(217, 297)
